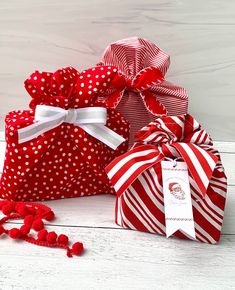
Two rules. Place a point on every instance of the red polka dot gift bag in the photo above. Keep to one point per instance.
(172, 181)
(145, 94)
(61, 145)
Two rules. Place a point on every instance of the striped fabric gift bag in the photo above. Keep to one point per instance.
(137, 177)
(145, 93)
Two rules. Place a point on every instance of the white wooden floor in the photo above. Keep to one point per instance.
(120, 259)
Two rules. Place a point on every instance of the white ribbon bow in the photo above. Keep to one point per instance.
(91, 119)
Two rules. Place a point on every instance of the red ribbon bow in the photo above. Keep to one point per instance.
(142, 84)
(143, 66)
(172, 137)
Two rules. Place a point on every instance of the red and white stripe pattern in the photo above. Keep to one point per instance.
(137, 179)
(142, 62)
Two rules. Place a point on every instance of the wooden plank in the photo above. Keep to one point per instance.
(118, 260)
(221, 146)
(98, 212)
(197, 35)
(224, 147)
(2, 136)
(229, 218)
(2, 155)
(228, 161)
(227, 150)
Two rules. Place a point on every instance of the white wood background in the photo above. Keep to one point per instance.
(200, 37)
(116, 258)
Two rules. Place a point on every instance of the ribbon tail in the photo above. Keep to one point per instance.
(200, 162)
(168, 89)
(152, 104)
(114, 99)
(125, 169)
(34, 130)
(148, 77)
(103, 134)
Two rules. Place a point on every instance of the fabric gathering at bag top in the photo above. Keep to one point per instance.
(144, 93)
(142, 198)
(60, 147)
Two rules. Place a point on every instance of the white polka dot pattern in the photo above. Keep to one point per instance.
(66, 161)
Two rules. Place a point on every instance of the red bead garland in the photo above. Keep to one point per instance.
(1, 230)
(51, 237)
(38, 225)
(8, 208)
(33, 215)
(77, 248)
(22, 210)
(28, 220)
(42, 235)
(14, 233)
(63, 239)
(25, 230)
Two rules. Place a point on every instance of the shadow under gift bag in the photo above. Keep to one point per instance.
(142, 198)
(144, 94)
(60, 147)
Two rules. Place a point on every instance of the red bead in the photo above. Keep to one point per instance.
(39, 212)
(2, 203)
(17, 207)
(22, 210)
(28, 220)
(51, 237)
(1, 230)
(8, 208)
(14, 233)
(31, 210)
(38, 225)
(63, 239)
(42, 235)
(24, 230)
(49, 216)
(77, 248)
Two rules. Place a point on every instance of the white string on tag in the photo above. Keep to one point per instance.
(174, 160)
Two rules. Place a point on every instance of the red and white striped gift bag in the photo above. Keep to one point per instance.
(137, 178)
(145, 93)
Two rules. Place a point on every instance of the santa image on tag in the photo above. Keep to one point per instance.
(176, 190)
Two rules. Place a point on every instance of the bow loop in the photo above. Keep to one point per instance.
(182, 136)
(160, 131)
(146, 78)
(91, 119)
(168, 129)
(174, 137)
(200, 162)
(143, 66)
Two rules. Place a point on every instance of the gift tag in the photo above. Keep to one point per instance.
(177, 198)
